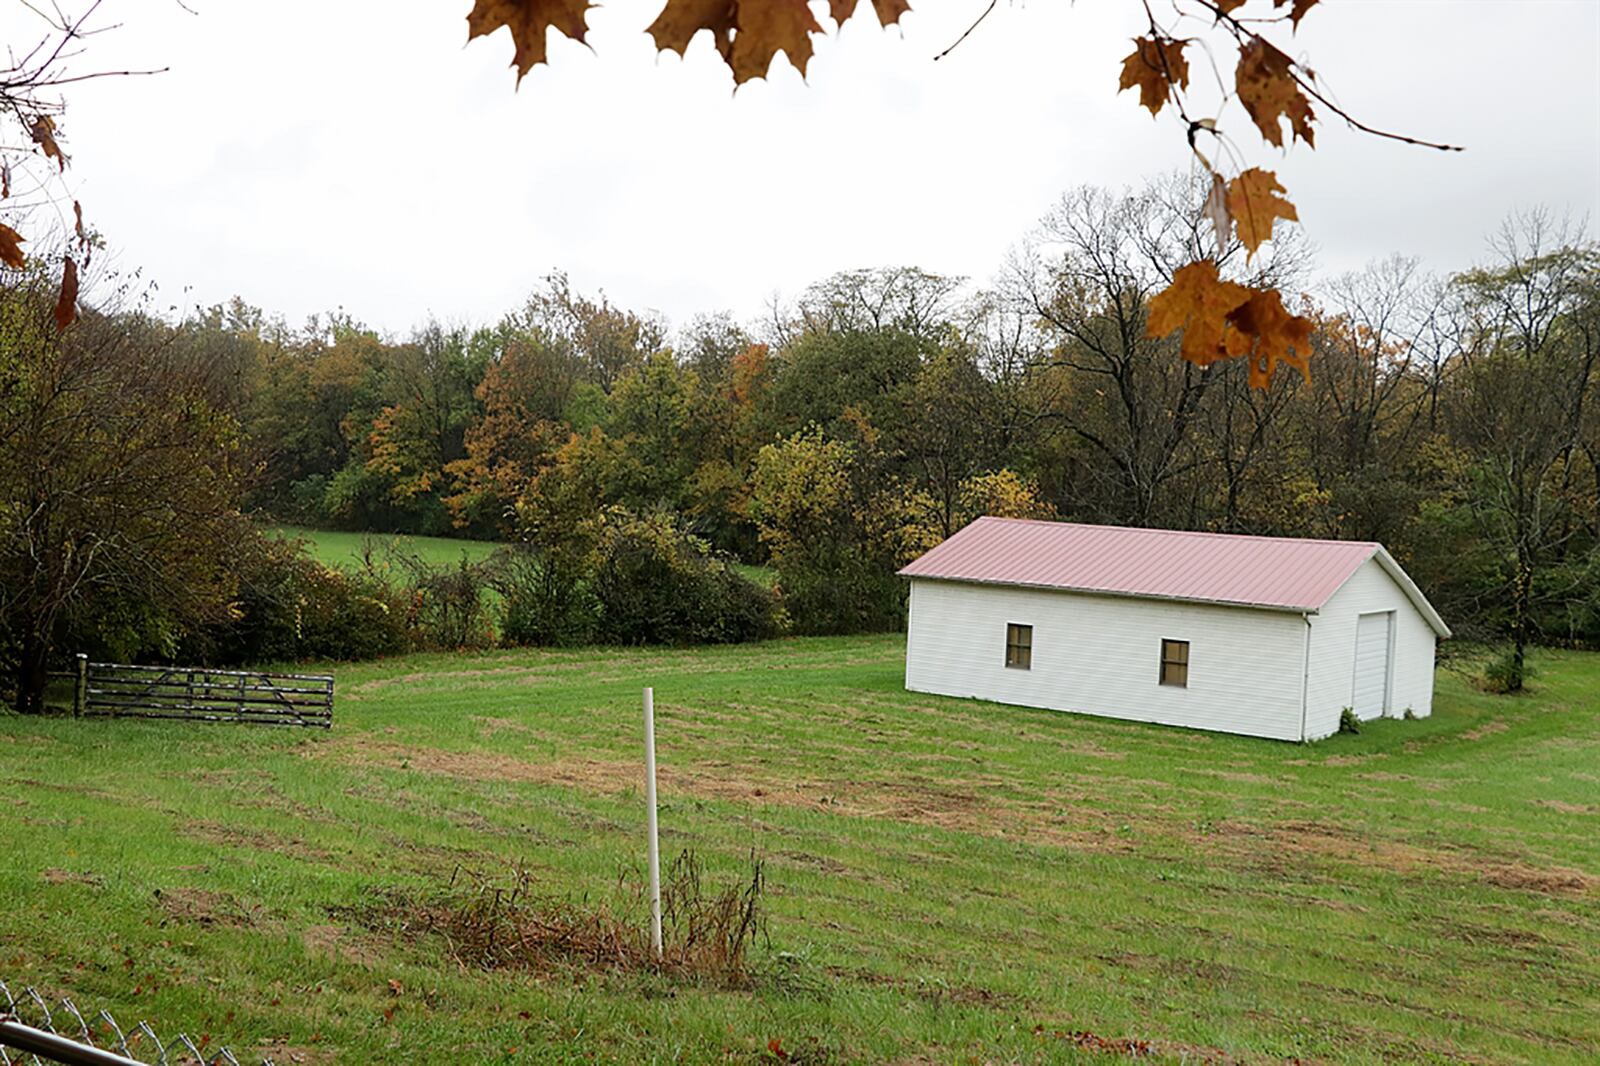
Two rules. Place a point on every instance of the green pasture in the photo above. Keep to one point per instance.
(947, 880)
(342, 549)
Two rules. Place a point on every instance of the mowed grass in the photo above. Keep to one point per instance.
(345, 550)
(948, 881)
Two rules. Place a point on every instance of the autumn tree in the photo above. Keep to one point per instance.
(942, 431)
(903, 299)
(606, 340)
(654, 416)
(1522, 387)
(121, 474)
(1092, 277)
(1364, 419)
(828, 528)
(732, 429)
(524, 393)
(845, 381)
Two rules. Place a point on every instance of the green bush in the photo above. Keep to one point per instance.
(291, 607)
(1349, 721)
(656, 584)
(545, 602)
(447, 606)
(1502, 674)
(834, 589)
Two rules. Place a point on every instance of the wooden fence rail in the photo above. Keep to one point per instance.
(204, 695)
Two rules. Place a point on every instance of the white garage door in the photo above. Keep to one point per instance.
(1372, 664)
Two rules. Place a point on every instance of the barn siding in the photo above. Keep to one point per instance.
(1330, 687)
(1101, 655)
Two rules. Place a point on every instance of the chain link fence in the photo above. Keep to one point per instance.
(34, 1032)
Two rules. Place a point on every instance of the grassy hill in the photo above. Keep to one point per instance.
(344, 549)
(947, 880)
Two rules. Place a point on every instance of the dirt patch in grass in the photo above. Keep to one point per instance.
(489, 725)
(1568, 808)
(198, 906)
(228, 836)
(1481, 934)
(813, 862)
(331, 941)
(955, 804)
(1281, 844)
(932, 990)
(1242, 776)
(1484, 730)
(1354, 760)
(55, 786)
(1557, 881)
(300, 1055)
(56, 876)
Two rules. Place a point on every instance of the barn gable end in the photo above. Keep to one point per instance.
(1332, 684)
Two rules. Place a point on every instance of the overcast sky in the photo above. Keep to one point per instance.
(307, 154)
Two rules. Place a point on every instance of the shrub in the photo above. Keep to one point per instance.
(447, 605)
(1349, 722)
(289, 606)
(708, 934)
(656, 584)
(1503, 674)
(545, 602)
(345, 616)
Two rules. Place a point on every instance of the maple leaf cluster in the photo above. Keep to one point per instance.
(1219, 319)
(1222, 319)
(748, 33)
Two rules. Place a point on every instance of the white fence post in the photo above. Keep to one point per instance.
(654, 846)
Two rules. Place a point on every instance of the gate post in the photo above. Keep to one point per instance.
(81, 689)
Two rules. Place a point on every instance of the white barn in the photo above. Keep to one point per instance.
(1265, 636)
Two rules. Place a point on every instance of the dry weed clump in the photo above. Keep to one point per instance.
(514, 923)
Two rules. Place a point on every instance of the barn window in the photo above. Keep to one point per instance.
(1175, 663)
(1019, 646)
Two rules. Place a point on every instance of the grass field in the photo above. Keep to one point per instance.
(948, 881)
(344, 549)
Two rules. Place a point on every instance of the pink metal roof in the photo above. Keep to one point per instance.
(1277, 572)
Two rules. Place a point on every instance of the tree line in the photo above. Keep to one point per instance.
(1451, 418)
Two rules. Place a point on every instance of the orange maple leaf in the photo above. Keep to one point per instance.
(767, 27)
(67, 301)
(43, 133)
(750, 33)
(1299, 10)
(680, 20)
(1155, 66)
(889, 11)
(529, 22)
(1274, 336)
(11, 247)
(1198, 302)
(1254, 202)
(1268, 91)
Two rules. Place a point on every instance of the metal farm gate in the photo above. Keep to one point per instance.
(203, 695)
